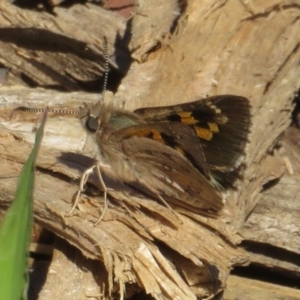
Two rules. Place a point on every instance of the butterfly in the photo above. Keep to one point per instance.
(183, 154)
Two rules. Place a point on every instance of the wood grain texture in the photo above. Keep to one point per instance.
(216, 47)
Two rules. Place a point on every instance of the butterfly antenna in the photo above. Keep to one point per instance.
(106, 65)
(41, 110)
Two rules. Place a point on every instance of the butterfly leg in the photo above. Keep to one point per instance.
(169, 207)
(164, 202)
(104, 189)
(83, 181)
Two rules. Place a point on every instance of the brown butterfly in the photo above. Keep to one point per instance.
(183, 154)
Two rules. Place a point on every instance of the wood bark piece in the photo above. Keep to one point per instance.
(271, 231)
(218, 47)
(238, 288)
(64, 51)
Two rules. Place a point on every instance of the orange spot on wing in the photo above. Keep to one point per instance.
(156, 135)
(213, 127)
(186, 118)
(179, 149)
(140, 132)
(150, 133)
(203, 133)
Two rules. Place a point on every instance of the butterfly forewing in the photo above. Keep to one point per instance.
(221, 124)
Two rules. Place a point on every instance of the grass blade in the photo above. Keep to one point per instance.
(15, 230)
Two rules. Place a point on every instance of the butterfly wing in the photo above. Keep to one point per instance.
(155, 157)
(171, 175)
(178, 136)
(221, 123)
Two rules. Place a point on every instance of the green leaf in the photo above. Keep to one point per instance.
(15, 230)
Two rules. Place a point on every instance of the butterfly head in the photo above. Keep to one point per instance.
(101, 117)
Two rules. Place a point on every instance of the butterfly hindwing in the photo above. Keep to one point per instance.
(171, 174)
(178, 136)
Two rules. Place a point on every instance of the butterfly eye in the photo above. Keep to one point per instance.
(91, 124)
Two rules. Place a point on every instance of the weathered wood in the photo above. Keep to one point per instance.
(218, 47)
(244, 288)
(271, 233)
(63, 51)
